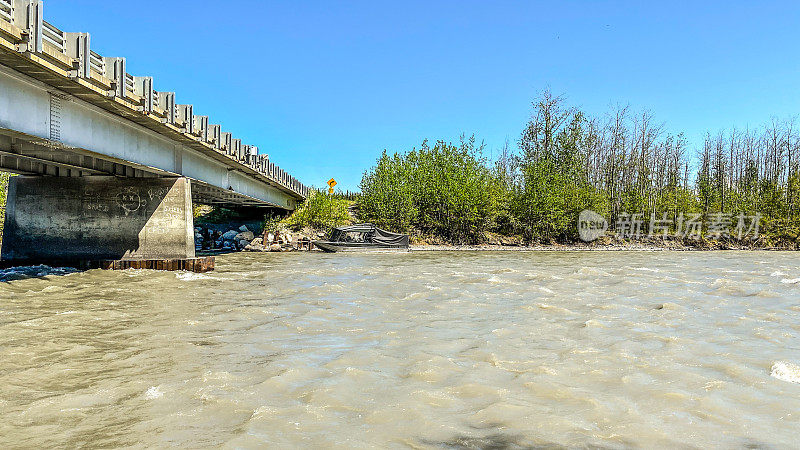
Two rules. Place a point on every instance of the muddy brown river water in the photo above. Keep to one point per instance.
(417, 350)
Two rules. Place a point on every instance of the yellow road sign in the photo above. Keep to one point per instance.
(331, 183)
(330, 191)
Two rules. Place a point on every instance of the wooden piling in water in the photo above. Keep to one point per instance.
(198, 265)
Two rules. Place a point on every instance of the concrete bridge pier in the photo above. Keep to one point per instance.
(93, 218)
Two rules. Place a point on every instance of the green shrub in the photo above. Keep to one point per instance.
(445, 190)
(4, 177)
(320, 210)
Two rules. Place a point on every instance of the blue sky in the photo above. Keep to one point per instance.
(324, 87)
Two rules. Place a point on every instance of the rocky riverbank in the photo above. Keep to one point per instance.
(250, 238)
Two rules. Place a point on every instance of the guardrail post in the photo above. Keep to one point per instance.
(227, 142)
(78, 48)
(186, 114)
(216, 135)
(236, 148)
(116, 68)
(264, 163)
(251, 154)
(166, 101)
(143, 87)
(201, 126)
(28, 15)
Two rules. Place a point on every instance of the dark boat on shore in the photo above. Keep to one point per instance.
(363, 237)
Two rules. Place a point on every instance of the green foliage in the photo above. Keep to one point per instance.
(201, 211)
(554, 187)
(272, 223)
(550, 199)
(387, 194)
(319, 210)
(446, 190)
(613, 164)
(4, 177)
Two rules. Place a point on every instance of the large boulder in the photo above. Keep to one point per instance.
(243, 228)
(230, 235)
(275, 247)
(256, 245)
(245, 235)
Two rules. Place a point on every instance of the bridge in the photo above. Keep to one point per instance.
(109, 166)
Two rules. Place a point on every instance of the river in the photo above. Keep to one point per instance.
(417, 350)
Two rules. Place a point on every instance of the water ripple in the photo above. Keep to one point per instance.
(463, 350)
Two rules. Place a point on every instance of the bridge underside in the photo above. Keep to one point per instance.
(44, 131)
(28, 155)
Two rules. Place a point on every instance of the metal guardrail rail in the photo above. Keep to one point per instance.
(97, 63)
(54, 37)
(6, 11)
(70, 54)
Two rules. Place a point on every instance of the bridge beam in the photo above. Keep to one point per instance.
(60, 219)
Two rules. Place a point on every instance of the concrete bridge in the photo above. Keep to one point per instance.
(110, 166)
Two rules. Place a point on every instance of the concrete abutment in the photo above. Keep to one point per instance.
(60, 219)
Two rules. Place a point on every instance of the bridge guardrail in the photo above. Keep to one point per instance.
(97, 63)
(6, 11)
(70, 54)
(55, 37)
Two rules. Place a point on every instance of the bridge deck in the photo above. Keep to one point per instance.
(71, 112)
